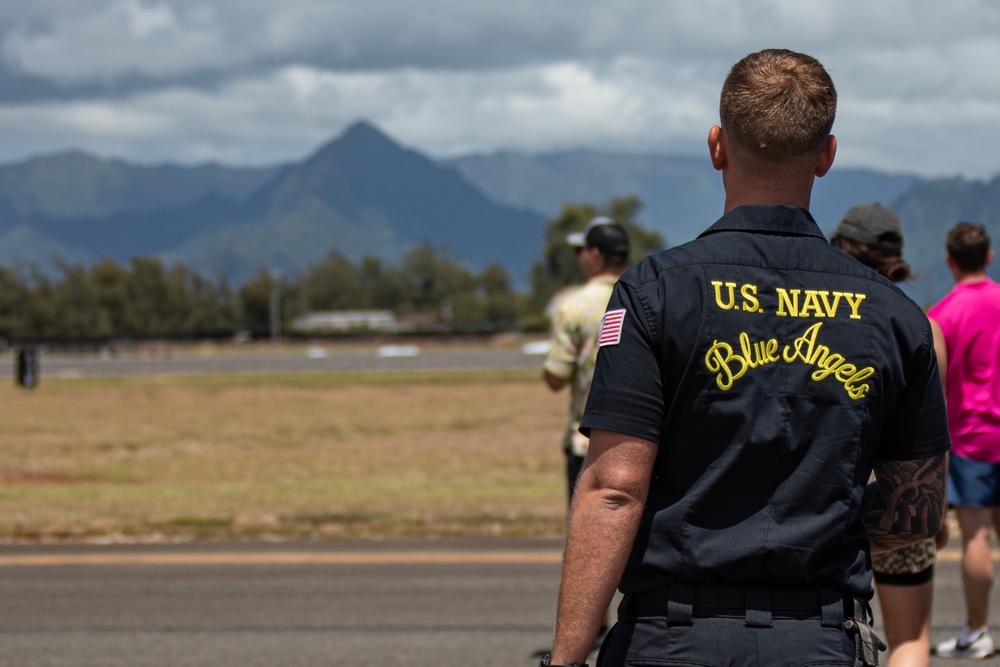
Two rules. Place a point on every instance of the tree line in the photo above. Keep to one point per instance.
(148, 299)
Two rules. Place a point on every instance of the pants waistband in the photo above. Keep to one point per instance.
(681, 603)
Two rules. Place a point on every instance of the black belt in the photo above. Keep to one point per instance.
(683, 602)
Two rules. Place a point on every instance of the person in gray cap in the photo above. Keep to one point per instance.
(602, 250)
(873, 234)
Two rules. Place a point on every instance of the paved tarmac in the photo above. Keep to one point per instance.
(174, 360)
(417, 603)
(351, 604)
(356, 604)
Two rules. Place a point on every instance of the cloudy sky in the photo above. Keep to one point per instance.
(258, 82)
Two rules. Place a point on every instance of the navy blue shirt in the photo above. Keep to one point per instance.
(772, 369)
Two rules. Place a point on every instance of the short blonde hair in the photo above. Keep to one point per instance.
(778, 105)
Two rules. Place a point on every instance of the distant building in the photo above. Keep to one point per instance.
(336, 321)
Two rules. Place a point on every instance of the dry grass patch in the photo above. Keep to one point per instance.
(293, 456)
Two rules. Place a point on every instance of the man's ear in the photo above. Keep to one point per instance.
(826, 157)
(717, 147)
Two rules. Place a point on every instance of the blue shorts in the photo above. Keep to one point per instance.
(973, 483)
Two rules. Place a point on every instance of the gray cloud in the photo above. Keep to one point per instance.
(260, 82)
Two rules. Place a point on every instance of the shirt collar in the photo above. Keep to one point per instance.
(767, 219)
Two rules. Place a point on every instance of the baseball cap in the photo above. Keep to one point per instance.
(602, 233)
(872, 224)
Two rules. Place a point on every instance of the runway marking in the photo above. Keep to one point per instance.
(317, 558)
(285, 558)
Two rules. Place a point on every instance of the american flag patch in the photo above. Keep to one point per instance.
(611, 328)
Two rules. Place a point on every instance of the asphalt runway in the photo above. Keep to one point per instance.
(351, 604)
(168, 360)
(356, 604)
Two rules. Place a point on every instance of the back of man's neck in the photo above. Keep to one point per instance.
(971, 278)
(610, 274)
(767, 197)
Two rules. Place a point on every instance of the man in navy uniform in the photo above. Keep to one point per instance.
(747, 385)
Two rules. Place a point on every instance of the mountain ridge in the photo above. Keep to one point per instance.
(360, 194)
(363, 194)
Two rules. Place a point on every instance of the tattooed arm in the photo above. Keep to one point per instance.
(906, 502)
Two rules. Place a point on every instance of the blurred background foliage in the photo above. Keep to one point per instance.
(149, 299)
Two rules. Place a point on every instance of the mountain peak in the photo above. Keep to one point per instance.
(363, 130)
(359, 139)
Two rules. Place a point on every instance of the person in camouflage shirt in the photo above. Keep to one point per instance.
(602, 251)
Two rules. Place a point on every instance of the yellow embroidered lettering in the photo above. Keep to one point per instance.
(803, 346)
(759, 353)
(718, 284)
(857, 392)
(750, 302)
(747, 349)
(812, 304)
(854, 301)
(730, 365)
(829, 366)
(719, 359)
(818, 355)
(845, 372)
(831, 308)
(817, 303)
(792, 303)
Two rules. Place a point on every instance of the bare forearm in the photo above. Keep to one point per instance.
(607, 508)
(601, 531)
(906, 502)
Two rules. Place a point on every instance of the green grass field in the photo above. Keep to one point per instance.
(282, 457)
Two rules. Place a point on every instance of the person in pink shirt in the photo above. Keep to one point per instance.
(969, 317)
